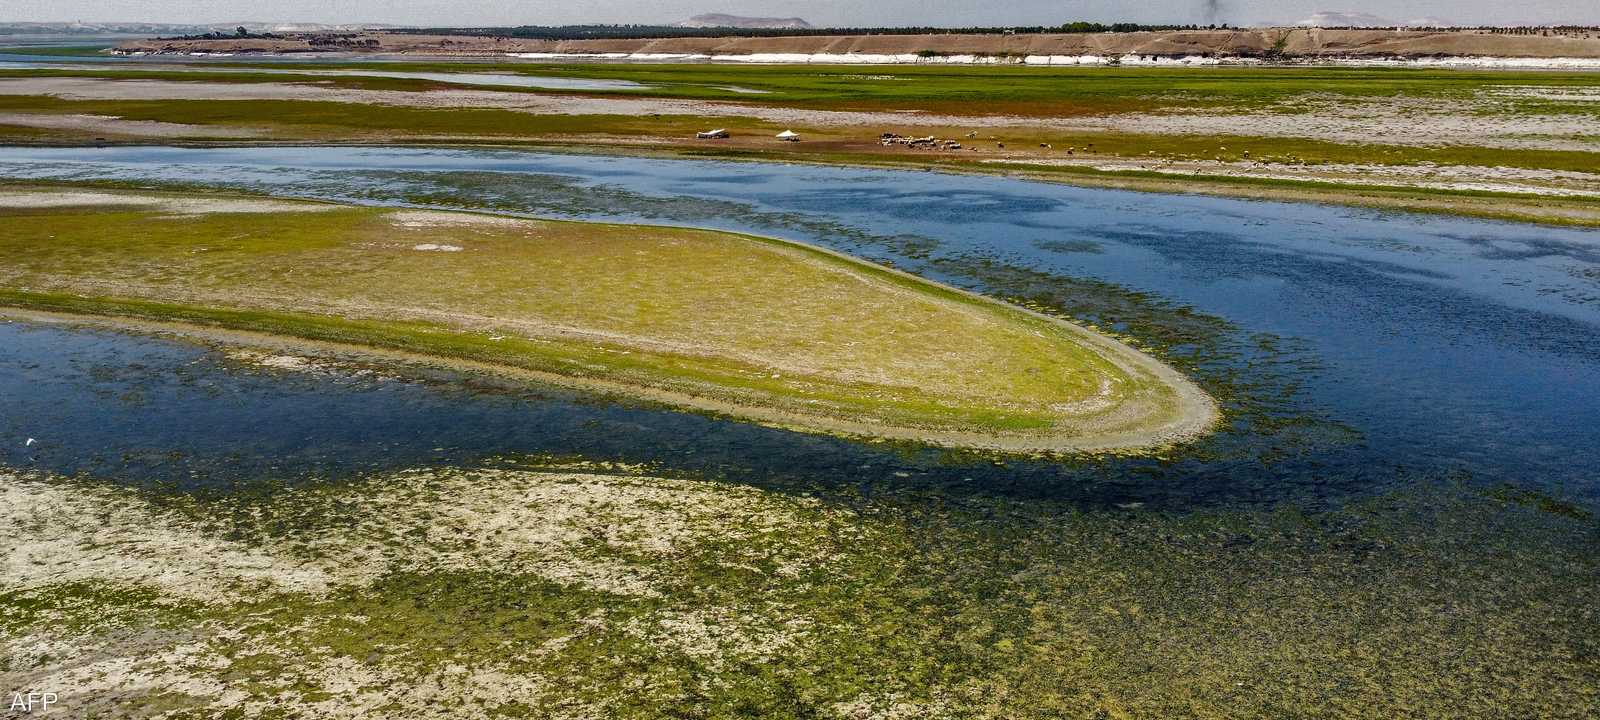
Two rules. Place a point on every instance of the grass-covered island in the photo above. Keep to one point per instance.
(755, 328)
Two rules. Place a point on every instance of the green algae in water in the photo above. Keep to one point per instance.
(1436, 600)
(1254, 376)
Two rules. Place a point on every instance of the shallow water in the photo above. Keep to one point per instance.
(1355, 349)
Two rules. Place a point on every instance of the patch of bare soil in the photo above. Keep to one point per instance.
(113, 126)
(174, 205)
(435, 219)
(1414, 122)
(1548, 183)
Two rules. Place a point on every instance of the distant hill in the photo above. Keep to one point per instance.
(1333, 18)
(1336, 19)
(718, 20)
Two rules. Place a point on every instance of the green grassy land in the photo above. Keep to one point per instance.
(974, 90)
(745, 325)
(67, 51)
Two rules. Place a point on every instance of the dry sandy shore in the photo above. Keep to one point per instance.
(113, 125)
(1549, 183)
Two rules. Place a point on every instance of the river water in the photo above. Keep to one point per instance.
(1355, 350)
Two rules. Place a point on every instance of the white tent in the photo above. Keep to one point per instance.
(789, 135)
(717, 134)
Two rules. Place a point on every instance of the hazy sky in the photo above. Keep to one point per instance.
(820, 12)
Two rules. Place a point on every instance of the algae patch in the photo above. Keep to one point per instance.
(597, 590)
